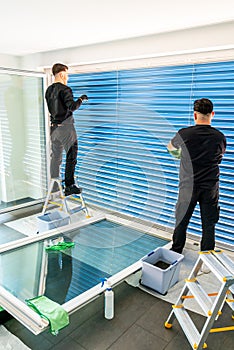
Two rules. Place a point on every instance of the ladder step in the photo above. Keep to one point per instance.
(187, 325)
(200, 295)
(74, 197)
(55, 203)
(225, 260)
(215, 266)
(76, 210)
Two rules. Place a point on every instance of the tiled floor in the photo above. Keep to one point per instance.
(138, 325)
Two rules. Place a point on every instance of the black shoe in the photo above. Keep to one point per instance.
(73, 189)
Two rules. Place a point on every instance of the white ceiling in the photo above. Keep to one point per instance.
(30, 26)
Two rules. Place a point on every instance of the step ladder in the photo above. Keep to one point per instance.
(223, 269)
(64, 202)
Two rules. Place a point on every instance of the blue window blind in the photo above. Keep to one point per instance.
(123, 130)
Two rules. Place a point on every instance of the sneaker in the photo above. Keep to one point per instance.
(73, 189)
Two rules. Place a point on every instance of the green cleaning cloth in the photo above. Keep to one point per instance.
(61, 246)
(51, 311)
(1, 309)
(176, 153)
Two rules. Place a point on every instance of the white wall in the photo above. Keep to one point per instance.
(213, 42)
(9, 61)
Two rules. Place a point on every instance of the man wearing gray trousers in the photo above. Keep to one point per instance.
(61, 105)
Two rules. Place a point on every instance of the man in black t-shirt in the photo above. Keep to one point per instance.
(61, 105)
(200, 149)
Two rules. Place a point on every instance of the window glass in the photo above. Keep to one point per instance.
(22, 139)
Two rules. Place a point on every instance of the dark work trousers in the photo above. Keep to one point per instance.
(63, 137)
(209, 209)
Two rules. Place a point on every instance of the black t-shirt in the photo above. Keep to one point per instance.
(60, 101)
(202, 149)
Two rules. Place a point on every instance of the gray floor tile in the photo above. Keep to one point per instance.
(12, 325)
(98, 333)
(137, 338)
(179, 342)
(34, 342)
(84, 313)
(223, 340)
(131, 304)
(154, 319)
(67, 344)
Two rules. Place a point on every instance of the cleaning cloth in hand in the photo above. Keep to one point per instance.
(61, 246)
(175, 153)
(51, 311)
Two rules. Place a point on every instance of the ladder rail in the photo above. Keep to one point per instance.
(217, 306)
(215, 266)
(180, 301)
(49, 193)
(225, 260)
(221, 266)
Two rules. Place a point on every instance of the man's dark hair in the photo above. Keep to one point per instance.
(58, 67)
(203, 106)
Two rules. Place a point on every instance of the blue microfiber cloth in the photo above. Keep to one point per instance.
(51, 311)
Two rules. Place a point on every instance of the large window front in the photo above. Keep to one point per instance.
(23, 174)
(123, 130)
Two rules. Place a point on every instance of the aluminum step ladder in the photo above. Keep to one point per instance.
(223, 269)
(64, 202)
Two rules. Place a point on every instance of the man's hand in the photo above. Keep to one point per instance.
(84, 98)
(175, 152)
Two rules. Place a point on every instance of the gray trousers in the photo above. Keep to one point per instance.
(63, 137)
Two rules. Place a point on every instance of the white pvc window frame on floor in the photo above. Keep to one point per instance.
(30, 319)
